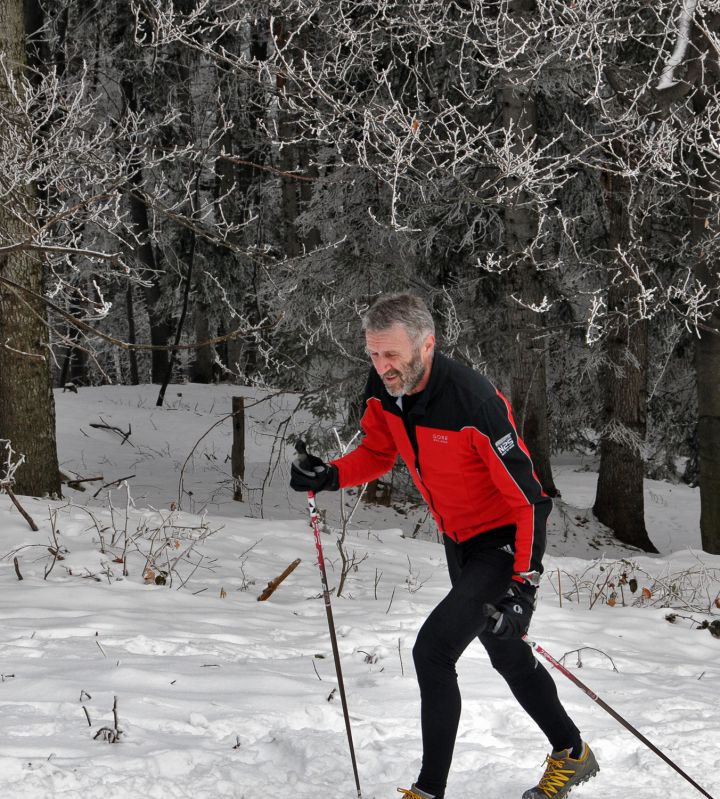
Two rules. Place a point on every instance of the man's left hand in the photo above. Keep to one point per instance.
(512, 615)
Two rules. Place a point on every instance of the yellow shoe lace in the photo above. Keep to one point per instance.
(408, 794)
(555, 776)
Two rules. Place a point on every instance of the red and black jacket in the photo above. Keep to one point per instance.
(464, 454)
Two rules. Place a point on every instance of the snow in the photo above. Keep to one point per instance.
(219, 695)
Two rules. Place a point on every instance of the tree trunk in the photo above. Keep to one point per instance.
(287, 160)
(707, 369)
(132, 338)
(312, 239)
(27, 406)
(74, 368)
(620, 501)
(201, 367)
(528, 377)
(707, 345)
(160, 325)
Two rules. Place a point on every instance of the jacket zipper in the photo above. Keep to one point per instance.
(429, 495)
(414, 446)
(430, 499)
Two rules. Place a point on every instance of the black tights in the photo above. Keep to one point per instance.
(478, 576)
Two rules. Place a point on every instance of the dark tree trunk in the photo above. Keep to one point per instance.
(312, 239)
(707, 345)
(240, 183)
(528, 377)
(160, 325)
(74, 368)
(201, 367)
(190, 250)
(132, 338)
(288, 159)
(620, 502)
(27, 406)
(707, 368)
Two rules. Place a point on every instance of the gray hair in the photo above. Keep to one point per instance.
(400, 309)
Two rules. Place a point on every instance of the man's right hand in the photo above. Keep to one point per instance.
(511, 617)
(310, 473)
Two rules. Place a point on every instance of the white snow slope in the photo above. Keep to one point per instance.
(219, 695)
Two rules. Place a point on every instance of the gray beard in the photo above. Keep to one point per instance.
(410, 381)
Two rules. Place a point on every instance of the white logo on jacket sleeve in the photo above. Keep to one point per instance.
(440, 438)
(505, 444)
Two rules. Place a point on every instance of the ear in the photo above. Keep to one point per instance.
(429, 344)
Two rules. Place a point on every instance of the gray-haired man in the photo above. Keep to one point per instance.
(456, 433)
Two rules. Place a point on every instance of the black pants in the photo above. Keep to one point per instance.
(478, 575)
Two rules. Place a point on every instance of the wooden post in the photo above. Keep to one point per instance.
(238, 446)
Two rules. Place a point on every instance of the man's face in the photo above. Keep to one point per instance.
(403, 365)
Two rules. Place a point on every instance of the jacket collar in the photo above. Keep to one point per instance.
(438, 372)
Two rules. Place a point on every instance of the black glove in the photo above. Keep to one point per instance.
(309, 473)
(511, 617)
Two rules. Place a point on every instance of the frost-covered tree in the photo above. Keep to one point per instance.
(543, 172)
(27, 409)
(447, 108)
(656, 72)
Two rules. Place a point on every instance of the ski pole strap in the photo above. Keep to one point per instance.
(581, 685)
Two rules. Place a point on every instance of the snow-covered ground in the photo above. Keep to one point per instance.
(219, 695)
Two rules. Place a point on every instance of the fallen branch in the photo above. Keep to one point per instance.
(114, 429)
(76, 482)
(114, 483)
(273, 584)
(28, 518)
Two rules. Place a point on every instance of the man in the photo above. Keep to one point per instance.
(456, 434)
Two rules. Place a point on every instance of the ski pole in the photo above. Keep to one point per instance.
(314, 521)
(581, 685)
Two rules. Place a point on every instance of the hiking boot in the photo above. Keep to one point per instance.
(414, 793)
(563, 773)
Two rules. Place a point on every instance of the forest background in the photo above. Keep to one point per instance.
(207, 190)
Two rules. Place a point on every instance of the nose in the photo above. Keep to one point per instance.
(381, 364)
